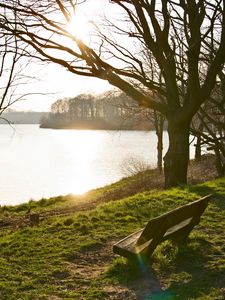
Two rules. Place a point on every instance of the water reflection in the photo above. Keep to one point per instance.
(43, 162)
(81, 148)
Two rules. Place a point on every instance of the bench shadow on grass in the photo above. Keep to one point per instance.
(197, 270)
(190, 272)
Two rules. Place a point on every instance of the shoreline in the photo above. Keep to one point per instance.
(151, 179)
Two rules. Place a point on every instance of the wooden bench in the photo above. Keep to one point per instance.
(174, 225)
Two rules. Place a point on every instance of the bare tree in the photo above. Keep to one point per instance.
(209, 128)
(12, 70)
(178, 36)
(8, 62)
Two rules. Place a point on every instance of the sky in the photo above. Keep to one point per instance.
(54, 82)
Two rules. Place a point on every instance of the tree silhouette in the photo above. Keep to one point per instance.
(10, 72)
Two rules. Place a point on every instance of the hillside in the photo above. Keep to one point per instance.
(69, 254)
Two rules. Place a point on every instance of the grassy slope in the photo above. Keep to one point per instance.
(69, 256)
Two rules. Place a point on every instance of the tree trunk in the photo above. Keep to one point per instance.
(198, 152)
(159, 123)
(220, 167)
(198, 145)
(177, 157)
(160, 150)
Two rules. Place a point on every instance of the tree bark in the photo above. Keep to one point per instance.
(177, 157)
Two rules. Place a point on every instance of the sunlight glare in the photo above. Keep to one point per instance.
(80, 27)
(81, 148)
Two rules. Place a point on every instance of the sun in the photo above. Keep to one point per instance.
(80, 27)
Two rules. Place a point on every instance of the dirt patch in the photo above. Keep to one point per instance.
(93, 262)
(90, 265)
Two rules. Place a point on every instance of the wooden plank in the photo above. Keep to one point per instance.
(177, 227)
(129, 242)
(173, 224)
(174, 217)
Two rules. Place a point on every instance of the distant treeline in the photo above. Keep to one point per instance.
(22, 117)
(111, 110)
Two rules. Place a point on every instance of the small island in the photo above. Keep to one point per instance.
(108, 111)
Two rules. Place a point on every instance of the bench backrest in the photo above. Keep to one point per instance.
(159, 225)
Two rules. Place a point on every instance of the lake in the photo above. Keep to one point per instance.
(38, 163)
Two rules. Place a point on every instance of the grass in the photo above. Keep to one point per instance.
(70, 256)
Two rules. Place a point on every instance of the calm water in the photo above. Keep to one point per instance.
(38, 163)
